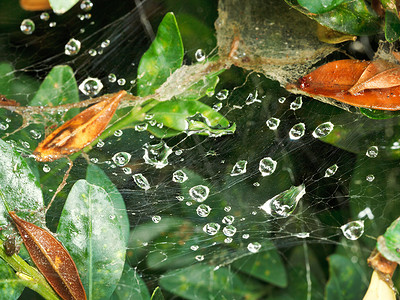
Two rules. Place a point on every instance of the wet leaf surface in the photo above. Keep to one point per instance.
(10, 286)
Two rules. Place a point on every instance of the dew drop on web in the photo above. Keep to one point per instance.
(273, 123)
(72, 47)
(297, 103)
(267, 166)
(211, 228)
(203, 210)
(372, 152)
(199, 193)
(200, 55)
(254, 247)
(91, 86)
(27, 26)
(297, 131)
(331, 170)
(156, 154)
(323, 130)
(179, 176)
(222, 94)
(239, 168)
(353, 230)
(121, 158)
(141, 181)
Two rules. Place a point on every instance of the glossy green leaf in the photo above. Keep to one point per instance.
(200, 281)
(10, 285)
(345, 282)
(379, 114)
(91, 232)
(59, 87)
(164, 56)
(157, 294)
(200, 89)
(392, 26)
(96, 176)
(388, 244)
(62, 6)
(17, 183)
(191, 117)
(131, 286)
(267, 266)
(319, 6)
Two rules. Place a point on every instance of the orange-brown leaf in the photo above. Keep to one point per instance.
(52, 259)
(335, 79)
(78, 132)
(35, 5)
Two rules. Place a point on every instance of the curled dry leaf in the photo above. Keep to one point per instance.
(7, 102)
(35, 5)
(78, 132)
(367, 84)
(51, 258)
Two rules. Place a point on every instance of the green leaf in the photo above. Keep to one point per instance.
(157, 294)
(59, 87)
(96, 176)
(345, 281)
(17, 183)
(131, 286)
(62, 6)
(164, 56)
(379, 114)
(201, 88)
(267, 266)
(200, 281)
(191, 117)
(90, 230)
(392, 26)
(10, 285)
(388, 244)
(319, 6)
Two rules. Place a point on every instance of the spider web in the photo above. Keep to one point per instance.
(170, 227)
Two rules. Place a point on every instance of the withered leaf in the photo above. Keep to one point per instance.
(78, 132)
(52, 259)
(7, 102)
(35, 5)
(359, 83)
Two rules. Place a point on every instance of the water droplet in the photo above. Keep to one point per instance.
(52, 24)
(91, 86)
(366, 213)
(211, 228)
(353, 230)
(179, 176)
(273, 123)
(112, 77)
(44, 16)
(228, 220)
(239, 168)
(121, 158)
(105, 44)
(267, 166)
(331, 170)
(199, 193)
(283, 204)
(203, 210)
(27, 26)
(121, 81)
(80, 17)
(141, 181)
(26, 145)
(112, 217)
(252, 98)
(35, 134)
(254, 247)
(227, 208)
(86, 5)
(297, 103)
(88, 16)
(92, 52)
(222, 94)
(141, 127)
(323, 130)
(94, 160)
(302, 235)
(4, 126)
(372, 152)
(217, 106)
(245, 236)
(370, 178)
(156, 219)
(199, 55)
(127, 170)
(46, 168)
(297, 131)
(228, 240)
(194, 248)
(149, 116)
(72, 47)
(100, 144)
(118, 133)
(229, 230)
(180, 198)
(282, 99)
(199, 257)
(156, 154)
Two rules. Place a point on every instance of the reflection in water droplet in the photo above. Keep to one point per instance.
(4, 126)
(254, 247)
(273, 123)
(194, 247)
(228, 240)
(179, 176)
(26, 145)
(353, 230)
(44, 16)
(86, 5)
(203, 210)
(297, 131)
(199, 55)
(127, 170)
(217, 106)
(91, 86)
(141, 181)
(239, 168)
(372, 152)
(100, 144)
(297, 103)
(121, 158)
(156, 219)
(35, 134)
(156, 154)
(105, 44)
(211, 228)
(118, 132)
(282, 99)
(331, 170)
(323, 130)
(283, 204)
(267, 166)
(52, 24)
(94, 160)
(112, 77)
(228, 220)
(245, 236)
(141, 127)
(227, 208)
(72, 47)
(370, 178)
(121, 81)
(199, 193)
(27, 26)
(222, 94)
(199, 257)
(46, 168)
(92, 52)
(229, 230)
